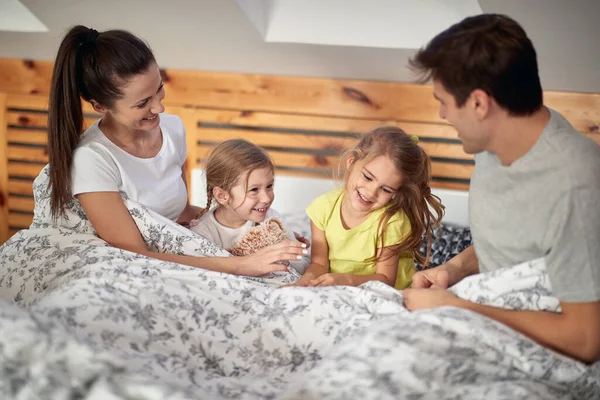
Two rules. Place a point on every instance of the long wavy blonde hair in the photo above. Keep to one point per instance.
(423, 209)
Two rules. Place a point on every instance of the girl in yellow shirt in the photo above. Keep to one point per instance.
(372, 228)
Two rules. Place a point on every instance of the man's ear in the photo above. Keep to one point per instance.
(480, 101)
(220, 195)
(98, 107)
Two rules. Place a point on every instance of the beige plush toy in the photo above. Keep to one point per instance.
(271, 231)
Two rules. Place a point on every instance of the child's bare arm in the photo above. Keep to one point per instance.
(386, 270)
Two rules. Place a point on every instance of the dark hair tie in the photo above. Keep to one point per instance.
(91, 36)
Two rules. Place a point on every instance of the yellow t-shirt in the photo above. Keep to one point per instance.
(350, 249)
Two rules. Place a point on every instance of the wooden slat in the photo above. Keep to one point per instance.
(319, 123)
(451, 170)
(18, 186)
(295, 160)
(310, 96)
(24, 169)
(3, 172)
(21, 203)
(450, 185)
(24, 153)
(275, 139)
(324, 142)
(28, 136)
(39, 120)
(27, 119)
(356, 99)
(445, 150)
(19, 99)
(188, 118)
(582, 110)
(18, 220)
(328, 163)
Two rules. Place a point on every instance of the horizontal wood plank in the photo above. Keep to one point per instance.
(18, 220)
(582, 110)
(17, 186)
(21, 203)
(21, 100)
(450, 185)
(451, 170)
(27, 170)
(309, 96)
(27, 136)
(318, 123)
(24, 153)
(317, 142)
(38, 120)
(329, 164)
(293, 160)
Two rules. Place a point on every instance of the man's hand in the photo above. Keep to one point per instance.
(435, 276)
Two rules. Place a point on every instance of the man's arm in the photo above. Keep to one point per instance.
(574, 332)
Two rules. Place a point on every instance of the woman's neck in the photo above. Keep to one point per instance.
(226, 217)
(143, 144)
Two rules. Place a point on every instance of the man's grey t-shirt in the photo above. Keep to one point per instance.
(546, 204)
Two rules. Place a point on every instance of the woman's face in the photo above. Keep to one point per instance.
(140, 106)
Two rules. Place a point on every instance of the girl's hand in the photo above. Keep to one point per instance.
(304, 281)
(265, 260)
(302, 239)
(332, 280)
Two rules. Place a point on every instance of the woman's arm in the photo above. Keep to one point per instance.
(113, 223)
(319, 264)
(453, 271)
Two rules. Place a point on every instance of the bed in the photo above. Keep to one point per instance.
(80, 319)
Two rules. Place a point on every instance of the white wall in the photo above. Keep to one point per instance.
(215, 35)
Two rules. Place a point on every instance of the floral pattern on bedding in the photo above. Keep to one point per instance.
(92, 321)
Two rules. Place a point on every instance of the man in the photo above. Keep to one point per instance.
(535, 189)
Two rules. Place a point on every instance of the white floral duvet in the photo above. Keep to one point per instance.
(94, 322)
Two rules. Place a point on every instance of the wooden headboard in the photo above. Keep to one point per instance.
(304, 123)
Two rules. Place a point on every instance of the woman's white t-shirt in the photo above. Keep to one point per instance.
(99, 165)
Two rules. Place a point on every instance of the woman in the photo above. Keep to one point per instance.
(132, 151)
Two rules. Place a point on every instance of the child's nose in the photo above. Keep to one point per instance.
(264, 197)
(372, 189)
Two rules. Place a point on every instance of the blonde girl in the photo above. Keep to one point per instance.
(239, 183)
(372, 228)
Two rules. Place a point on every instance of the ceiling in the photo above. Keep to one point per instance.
(217, 35)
